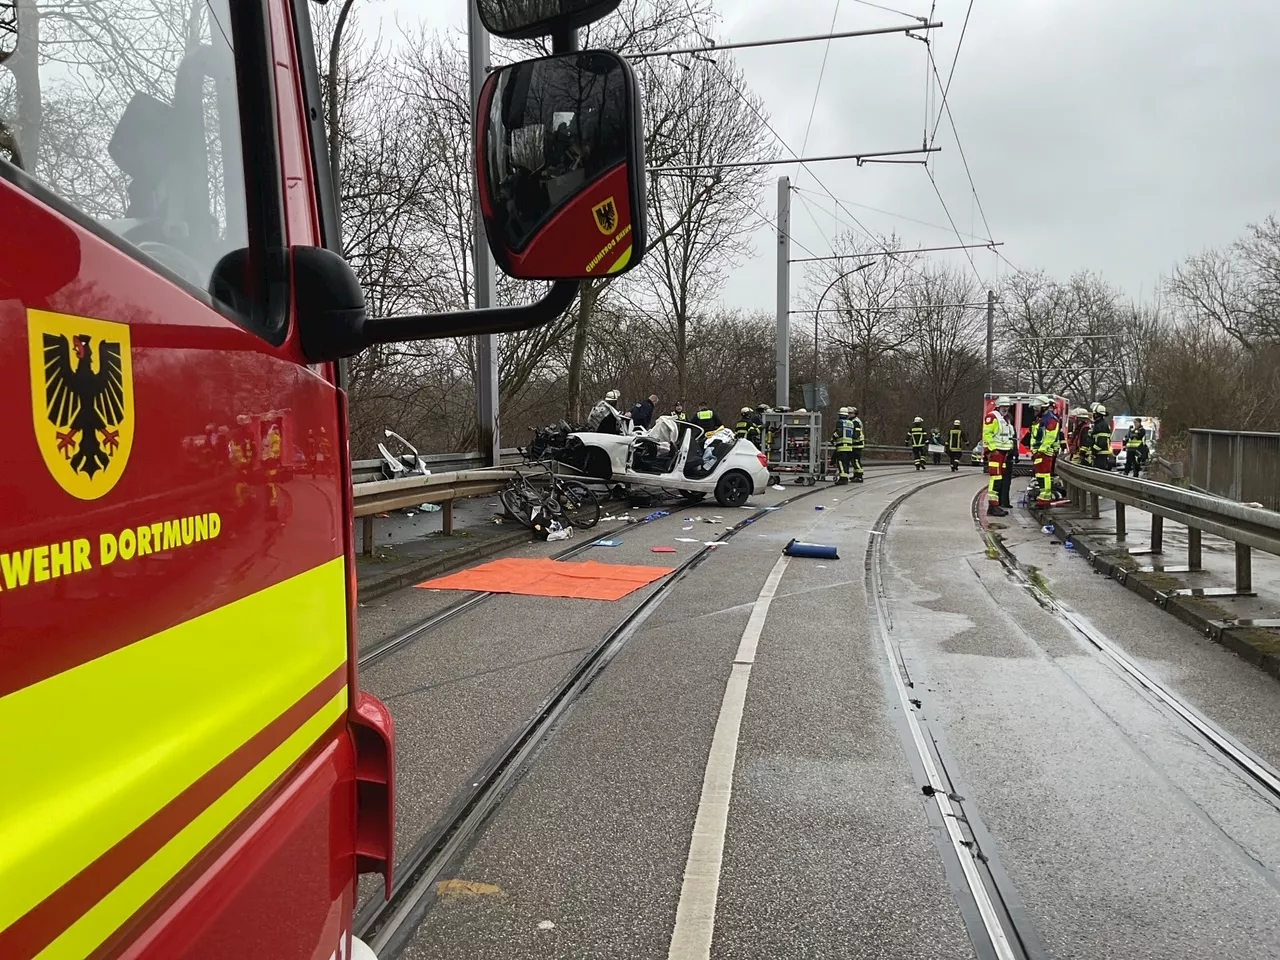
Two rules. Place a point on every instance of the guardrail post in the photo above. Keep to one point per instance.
(1095, 511)
(1193, 548)
(446, 518)
(1120, 531)
(1237, 478)
(368, 536)
(1244, 569)
(1157, 533)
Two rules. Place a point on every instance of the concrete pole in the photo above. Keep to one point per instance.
(783, 345)
(991, 341)
(488, 435)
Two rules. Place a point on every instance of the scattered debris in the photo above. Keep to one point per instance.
(818, 551)
(466, 888)
(607, 543)
(662, 549)
(546, 925)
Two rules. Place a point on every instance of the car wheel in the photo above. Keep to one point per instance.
(733, 489)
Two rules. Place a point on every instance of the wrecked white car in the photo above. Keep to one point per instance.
(673, 456)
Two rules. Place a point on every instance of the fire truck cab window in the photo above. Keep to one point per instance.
(555, 127)
(127, 110)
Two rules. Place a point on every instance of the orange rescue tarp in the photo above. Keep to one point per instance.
(551, 578)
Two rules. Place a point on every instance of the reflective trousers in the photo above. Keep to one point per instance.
(996, 463)
(1042, 464)
(844, 463)
(918, 453)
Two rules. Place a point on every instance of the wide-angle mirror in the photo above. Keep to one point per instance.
(561, 167)
(522, 19)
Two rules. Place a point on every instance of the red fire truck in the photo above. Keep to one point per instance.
(1022, 420)
(190, 767)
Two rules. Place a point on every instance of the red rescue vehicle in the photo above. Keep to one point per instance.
(1023, 418)
(190, 768)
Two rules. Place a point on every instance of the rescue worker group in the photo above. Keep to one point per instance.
(1044, 438)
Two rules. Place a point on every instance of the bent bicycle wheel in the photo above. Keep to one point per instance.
(580, 503)
(517, 506)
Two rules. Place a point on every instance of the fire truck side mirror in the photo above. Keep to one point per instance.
(525, 19)
(560, 156)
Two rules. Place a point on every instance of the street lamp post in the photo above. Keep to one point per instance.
(817, 312)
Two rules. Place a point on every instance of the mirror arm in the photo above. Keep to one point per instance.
(471, 323)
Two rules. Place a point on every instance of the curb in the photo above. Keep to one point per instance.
(413, 572)
(1227, 637)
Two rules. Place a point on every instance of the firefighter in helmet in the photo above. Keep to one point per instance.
(916, 441)
(998, 439)
(747, 428)
(1100, 439)
(859, 443)
(842, 442)
(1046, 441)
(956, 442)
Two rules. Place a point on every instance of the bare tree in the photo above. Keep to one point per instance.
(703, 116)
(1237, 288)
(1143, 329)
(1030, 326)
(947, 338)
(869, 302)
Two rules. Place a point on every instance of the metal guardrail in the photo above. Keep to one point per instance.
(368, 471)
(379, 496)
(1238, 464)
(1249, 528)
(454, 476)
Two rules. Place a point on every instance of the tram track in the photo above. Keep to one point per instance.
(1254, 770)
(989, 906)
(383, 648)
(388, 925)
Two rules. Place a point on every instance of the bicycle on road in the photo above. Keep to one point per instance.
(526, 498)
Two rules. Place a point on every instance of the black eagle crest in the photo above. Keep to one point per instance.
(607, 216)
(83, 404)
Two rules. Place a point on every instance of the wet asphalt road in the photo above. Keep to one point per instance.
(1122, 834)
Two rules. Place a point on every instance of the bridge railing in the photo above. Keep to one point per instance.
(1237, 464)
(1249, 528)
(380, 496)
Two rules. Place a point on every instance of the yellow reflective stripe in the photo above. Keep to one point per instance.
(84, 936)
(622, 261)
(92, 753)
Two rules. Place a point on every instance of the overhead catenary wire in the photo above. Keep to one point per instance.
(899, 253)
(780, 161)
(818, 180)
(817, 90)
(951, 74)
(951, 219)
(808, 208)
(711, 46)
(890, 213)
(946, 108)
(881, 6)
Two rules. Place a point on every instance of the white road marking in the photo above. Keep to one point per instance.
(696, 914)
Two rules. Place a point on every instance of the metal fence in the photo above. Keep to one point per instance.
(1240, 465)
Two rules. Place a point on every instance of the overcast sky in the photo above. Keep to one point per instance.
(1110, 135)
